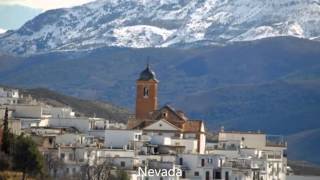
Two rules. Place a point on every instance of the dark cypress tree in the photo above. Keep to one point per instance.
(5, 147)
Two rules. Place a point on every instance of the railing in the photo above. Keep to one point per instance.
(229, 148)
(276, 141)
(274, 156)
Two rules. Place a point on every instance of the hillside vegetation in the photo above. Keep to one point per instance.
(83, 107)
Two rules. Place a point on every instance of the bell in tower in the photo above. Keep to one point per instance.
(146, 97)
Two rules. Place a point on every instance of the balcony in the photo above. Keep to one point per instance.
(276, 141)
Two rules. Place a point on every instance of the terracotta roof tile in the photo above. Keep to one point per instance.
(192, 126)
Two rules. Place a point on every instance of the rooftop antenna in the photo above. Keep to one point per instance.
(148, 61)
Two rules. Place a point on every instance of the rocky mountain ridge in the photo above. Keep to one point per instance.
(162, 23)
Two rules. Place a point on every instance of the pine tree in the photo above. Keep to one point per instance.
(5, 147)
(27, 158)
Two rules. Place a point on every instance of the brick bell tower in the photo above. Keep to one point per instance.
(147, 90)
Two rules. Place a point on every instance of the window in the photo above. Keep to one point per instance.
(227, 175)
(145, 92)
(207, 175)
(50, 141)
(164, 114)
(123, 164)
(196, 173)
(62, 156)
(71, 157)
(73, 170)
(217, 175)
(67, 170)
(181, 161)
(202, 162)
(137, 137)
(183, 174)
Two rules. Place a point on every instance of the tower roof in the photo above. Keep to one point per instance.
(147, 74)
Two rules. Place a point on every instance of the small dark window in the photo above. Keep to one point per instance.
(50, 141)
(242, 138)
(202, 162)
(181, 161)
(123, 164)
(146, 92)
(227, 175)
(164, 114)
(183, 174)
(196, 173)
(62, 156)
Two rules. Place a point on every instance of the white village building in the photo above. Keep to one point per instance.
(155, 140)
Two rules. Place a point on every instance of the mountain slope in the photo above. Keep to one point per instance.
(270, 84)
(279, 107)
(162, 23)
(87, 108)
(246, 70)
(304, 145)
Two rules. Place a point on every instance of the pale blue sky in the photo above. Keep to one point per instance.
(14, 13)
(45, 4)
(13, 16)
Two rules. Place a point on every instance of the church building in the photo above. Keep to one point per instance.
(166, 120)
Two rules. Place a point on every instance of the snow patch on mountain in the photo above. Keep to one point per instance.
(140, 36)
(2, 31)
(162, 23)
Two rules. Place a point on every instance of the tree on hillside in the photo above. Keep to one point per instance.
(27, 158)
(97, 171)
(121, 175)
(5, 162)
(5, 147)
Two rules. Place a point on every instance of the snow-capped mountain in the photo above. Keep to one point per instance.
(2, 31)
(162, 23)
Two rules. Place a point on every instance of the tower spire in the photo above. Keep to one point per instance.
(148, 62)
